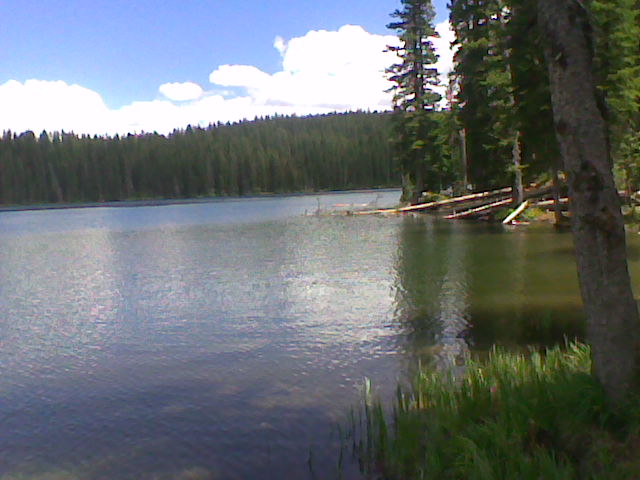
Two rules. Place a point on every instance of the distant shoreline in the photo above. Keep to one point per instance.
(160, 202)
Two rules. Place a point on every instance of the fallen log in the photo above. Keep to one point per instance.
(438, 203)
(516, 212)
(484, 208)
(453, 201)
(548, 203)
(529, 194)
(538, 192)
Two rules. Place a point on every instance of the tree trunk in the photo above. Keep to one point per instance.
(418, 187)
(407, 188)
(613, 325)
(465, 161)
(557, 208)
(518, 189)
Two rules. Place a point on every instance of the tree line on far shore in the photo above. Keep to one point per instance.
(271, 155)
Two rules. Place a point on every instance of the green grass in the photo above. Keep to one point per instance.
(511, 416)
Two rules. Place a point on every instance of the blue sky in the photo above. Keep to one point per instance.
(112, 57)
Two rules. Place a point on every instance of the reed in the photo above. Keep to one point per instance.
(511, 416)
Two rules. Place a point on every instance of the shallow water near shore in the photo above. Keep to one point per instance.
(227, 340)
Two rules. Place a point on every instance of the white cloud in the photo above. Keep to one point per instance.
(322, 71)
(239, 76)
(38, 105)
(340, 70)
(443, 47)
(181, 92)
(280, 44)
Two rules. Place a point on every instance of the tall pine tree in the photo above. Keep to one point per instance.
(503, 97)
(415, 139)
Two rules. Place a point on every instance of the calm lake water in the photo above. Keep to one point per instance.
(226, 340)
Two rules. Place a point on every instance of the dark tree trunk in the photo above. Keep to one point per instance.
(518, 188)
(465, 160)
(612, 315)
(418, 187)
(557, 209)
(407, 188)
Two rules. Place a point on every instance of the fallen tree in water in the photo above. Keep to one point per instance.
(474, 205)
(482, 210)
(474, 197)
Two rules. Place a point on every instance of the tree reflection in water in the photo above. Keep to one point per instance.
(462, 287)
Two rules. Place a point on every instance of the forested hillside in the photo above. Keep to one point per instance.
(281, 154)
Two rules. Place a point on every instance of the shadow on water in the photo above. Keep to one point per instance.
(175, 431)
(463, 287)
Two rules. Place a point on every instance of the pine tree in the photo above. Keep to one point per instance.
(616, 25)
(325, 152)
(485, 92)
(414, 136)
(503, 97)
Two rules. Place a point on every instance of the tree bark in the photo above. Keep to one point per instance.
(518, 189)
(418, 187)
(557, 208)
(465, 161)
(613, 325)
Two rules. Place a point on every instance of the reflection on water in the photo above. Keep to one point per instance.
(432, 300)
(466, 286)
(453, 314)
(225, 340)
(139, 343)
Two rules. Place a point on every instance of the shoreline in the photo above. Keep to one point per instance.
(161, 202)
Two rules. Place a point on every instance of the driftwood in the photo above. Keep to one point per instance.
(516, 212)
(439, 203)
(496, 198)
(549, 203)
(455, 200)
(483, 208)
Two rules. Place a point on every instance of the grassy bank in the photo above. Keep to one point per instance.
(511, 416)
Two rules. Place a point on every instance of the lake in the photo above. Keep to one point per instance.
(227, 339)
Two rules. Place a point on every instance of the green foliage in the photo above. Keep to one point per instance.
(503, 89)
(511, 416)
(479, 85)
(617, 46)
(280, 154)
(432, 197)
(532, 213)
(416, 137)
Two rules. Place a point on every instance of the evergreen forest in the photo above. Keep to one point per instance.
(498, 126)
(495, 128)
(272, 155)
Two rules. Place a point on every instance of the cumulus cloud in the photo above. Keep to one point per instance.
(322, 71)
(340, 70)
(38, 105)
(181, 92)
(239, 76)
